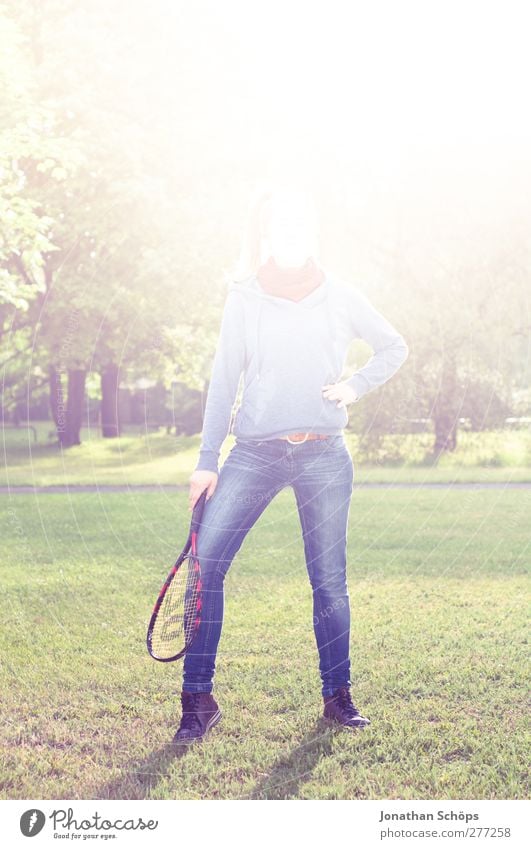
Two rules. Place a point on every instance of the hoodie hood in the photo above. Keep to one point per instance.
(250, 287)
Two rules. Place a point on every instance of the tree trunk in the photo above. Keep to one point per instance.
(67, 417)
(445, 433)
(110, 422)
(75, 404)
(446, 410)
(57, 404)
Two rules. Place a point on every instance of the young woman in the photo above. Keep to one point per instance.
(287, 327)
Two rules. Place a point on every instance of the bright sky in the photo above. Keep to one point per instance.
(423, 101)
(377, 74)
(386, 85)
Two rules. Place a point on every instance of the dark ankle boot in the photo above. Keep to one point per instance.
(340, 708)
(200, 714)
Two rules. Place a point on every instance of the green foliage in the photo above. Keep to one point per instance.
(122, 200)
(88, 255)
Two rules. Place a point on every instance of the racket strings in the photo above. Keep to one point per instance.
(180, 611)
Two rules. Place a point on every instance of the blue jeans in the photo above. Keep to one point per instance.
(321, 473)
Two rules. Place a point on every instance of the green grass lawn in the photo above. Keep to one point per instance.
(156, 458)
(438, 596)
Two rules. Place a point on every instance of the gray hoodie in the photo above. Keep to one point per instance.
(287, 350)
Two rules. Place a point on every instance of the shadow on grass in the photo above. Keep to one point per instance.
(283, 781)
(141, 778)
(296, 767)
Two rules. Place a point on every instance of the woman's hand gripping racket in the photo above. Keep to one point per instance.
(177, 612)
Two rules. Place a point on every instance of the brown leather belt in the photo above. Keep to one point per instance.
(294, 437)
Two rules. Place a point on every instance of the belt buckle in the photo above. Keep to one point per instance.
(298, 441)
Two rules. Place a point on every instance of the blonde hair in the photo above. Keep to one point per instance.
(264, 202)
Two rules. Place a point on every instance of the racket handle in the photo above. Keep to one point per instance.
(198, 512)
